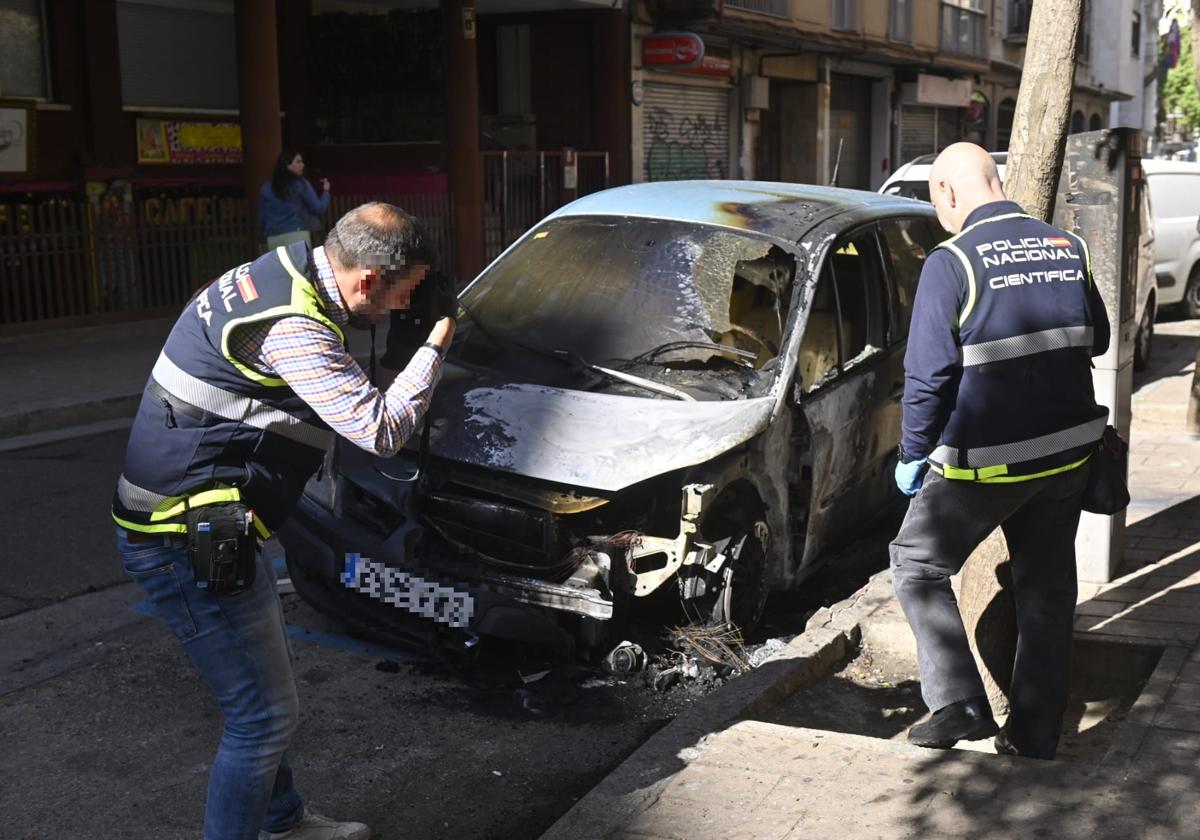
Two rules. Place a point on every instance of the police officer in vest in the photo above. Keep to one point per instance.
(252, 384)
(999, 420)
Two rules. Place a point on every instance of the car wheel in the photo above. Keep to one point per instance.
(1191, 294)
(741, 595)
(1144, 338)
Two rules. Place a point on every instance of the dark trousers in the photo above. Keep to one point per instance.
(946, 520)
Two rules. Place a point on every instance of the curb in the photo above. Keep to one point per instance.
(52, 418)
(637, 782)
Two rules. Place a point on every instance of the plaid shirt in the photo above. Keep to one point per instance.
(310, 358)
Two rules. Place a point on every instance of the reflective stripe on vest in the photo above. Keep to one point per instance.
(235, 407)
(1024, 450)
(1017, 346)
(162, 509)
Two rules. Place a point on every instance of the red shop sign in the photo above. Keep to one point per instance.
(711, 65)
(672, 49)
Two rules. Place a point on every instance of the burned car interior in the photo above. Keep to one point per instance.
(671, 304)
(637, 411)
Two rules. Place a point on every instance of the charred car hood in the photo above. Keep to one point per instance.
(579, 438)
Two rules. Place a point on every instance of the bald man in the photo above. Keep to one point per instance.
(999, 421)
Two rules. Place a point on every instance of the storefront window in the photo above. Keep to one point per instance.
(22, 49)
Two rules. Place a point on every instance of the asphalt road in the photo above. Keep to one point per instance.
(107, 731)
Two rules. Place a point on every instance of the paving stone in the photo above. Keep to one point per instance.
(1185, 694)
(1158, 542)
(1100, 608)
(1146, 631)
(1174, 716)
(717, 785)
(1171, 741)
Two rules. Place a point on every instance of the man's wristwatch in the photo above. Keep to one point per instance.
(437, 348)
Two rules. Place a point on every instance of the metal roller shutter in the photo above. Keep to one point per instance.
(178, 55)
(685, 132)
(918, 132)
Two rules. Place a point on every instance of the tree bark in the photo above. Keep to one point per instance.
(1039, 133)
(1193, 414)
(1031, 179)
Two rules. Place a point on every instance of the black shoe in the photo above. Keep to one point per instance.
(1002, 744)
(969, 720)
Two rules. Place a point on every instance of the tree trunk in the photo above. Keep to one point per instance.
(1193, 415)
(1039, 132)
(1035, 160)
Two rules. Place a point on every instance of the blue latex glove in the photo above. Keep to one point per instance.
(910, 476)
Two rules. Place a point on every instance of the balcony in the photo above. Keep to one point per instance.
(774, 8)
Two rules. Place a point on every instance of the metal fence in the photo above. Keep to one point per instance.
(66, 257)
(519, 188)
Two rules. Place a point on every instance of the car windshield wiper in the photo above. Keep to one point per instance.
(576, 362)
(650, 355)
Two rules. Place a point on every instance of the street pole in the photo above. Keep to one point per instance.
(1035, 160)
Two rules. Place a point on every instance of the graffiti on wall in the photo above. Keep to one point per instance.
(683, 146)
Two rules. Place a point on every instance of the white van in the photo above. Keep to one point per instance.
(911, 180)
(1175, 203)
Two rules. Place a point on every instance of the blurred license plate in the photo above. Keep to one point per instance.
(407, 591)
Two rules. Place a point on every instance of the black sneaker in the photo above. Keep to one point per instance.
(1002, 744)
(969, 720)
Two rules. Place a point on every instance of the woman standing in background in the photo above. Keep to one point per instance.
(288, 206)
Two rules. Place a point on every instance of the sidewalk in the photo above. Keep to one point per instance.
(57, 383)
(722, 771)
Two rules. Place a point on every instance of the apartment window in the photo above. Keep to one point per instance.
(22, 50)
(1136, 38)
(1084, 41)
(1018, 17)
(1077, 119)
(845, 14)
(902, 21)
(775, 8)
(964, 29)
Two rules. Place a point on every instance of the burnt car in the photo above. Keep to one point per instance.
(685, 390)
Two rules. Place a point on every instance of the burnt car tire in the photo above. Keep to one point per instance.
(742, 598)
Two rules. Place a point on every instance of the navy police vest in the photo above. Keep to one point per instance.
(1025, 407)
(210, 429)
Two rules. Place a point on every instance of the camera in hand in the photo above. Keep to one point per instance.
(433, 299)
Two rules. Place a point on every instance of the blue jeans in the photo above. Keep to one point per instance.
(239, 645)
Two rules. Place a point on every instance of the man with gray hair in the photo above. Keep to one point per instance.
(252, 384)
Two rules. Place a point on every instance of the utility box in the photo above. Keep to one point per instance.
(1101, 198)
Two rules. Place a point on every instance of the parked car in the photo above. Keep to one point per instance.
(912, 181)
(1175, 200)
(690, 386)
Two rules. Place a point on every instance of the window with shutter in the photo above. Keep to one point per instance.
(22, 50)
(178, 55)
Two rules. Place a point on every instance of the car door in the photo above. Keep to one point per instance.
(844, 373)
(1174, 229)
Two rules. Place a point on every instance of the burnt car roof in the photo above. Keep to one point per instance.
(781, 211)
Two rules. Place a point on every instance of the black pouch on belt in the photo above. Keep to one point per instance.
(221, 543)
